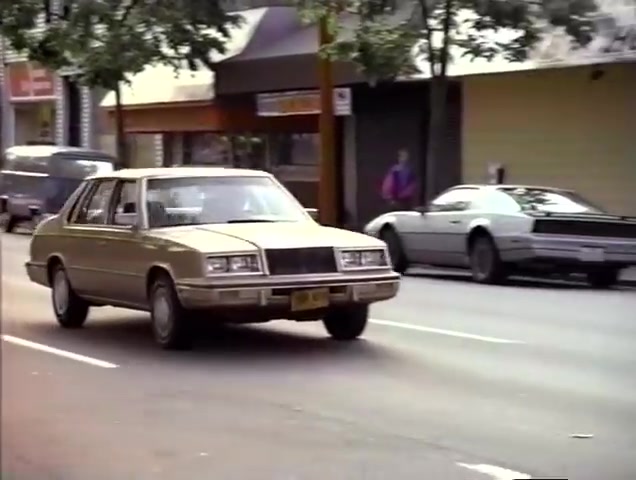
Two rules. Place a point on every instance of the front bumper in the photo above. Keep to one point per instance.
(276, 292)
(576, 251)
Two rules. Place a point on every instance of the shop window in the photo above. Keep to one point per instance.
(206, 149)
(74, 102)
(299, 149)
(249, 151)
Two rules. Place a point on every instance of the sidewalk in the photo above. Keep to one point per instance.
(629, 277)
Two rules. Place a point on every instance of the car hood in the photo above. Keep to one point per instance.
(248, 236)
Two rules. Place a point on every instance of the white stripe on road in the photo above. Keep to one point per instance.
(56, 351)
(440, 331)
(497, 473)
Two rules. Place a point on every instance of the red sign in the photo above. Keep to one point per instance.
(29, 81)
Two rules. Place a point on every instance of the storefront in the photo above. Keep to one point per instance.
(31, 105)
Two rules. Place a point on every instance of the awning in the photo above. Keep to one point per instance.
(160, 84)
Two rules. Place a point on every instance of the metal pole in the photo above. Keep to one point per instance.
(327, 190)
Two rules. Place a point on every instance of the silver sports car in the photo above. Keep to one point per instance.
(497, 230)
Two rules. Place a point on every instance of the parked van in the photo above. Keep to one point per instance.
(37, 180)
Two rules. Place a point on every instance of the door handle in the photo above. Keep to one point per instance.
(455, 221)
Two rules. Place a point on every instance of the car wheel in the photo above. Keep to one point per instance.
(603, 278)
(485, 263)
(12, 222)
(394, 244)
(70, 310)
(346, 323)
(170, 325)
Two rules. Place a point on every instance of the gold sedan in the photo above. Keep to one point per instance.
(226, 245)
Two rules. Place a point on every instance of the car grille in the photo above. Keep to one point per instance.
(583, 228)
(298, 261)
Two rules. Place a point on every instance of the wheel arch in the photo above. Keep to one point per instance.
(476, 231)
(154, 272)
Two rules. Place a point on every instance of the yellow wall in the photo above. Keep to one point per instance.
(556, 128)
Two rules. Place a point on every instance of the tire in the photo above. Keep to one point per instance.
(12, 222)
(70, 310)
(394, 244)
(346, 323)
(485, 263)
(606, 278)
(171, 326)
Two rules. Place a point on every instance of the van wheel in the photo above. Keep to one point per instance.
(603, 278)
(70, 310)
(12, 222)
(171, 326)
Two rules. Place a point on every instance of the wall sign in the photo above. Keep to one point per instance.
(30, 82)
(301, 103)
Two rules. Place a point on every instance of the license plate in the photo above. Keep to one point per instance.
(310, 299)
(592, 255)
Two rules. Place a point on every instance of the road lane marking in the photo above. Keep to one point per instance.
(441, 331)
(497, 473)
(56, 351)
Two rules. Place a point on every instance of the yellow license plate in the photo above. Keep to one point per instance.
(310, 299)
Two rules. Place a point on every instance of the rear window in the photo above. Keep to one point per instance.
(550, 201)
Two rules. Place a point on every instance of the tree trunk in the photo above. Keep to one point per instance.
(120, 136)
(436, 141)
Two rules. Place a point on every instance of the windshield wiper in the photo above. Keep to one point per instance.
(251, 220)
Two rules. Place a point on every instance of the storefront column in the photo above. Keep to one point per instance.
(350, 163)
(159, 150)
(61, 111)
(87, 120)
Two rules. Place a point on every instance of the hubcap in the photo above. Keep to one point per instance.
(60, 293)
(162, 314)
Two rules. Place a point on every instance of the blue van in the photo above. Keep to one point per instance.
(37, 180)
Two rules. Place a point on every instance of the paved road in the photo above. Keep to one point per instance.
(452, 381)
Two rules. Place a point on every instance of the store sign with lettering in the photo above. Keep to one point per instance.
(29, 81)
(301, 103)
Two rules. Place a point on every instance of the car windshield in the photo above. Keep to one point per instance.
(550, 201)
(205, 200)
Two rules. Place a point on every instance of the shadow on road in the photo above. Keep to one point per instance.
(255, 343)
(517, 282)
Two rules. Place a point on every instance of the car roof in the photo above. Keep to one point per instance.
(175, 172)
(48, 150)
(499, 186)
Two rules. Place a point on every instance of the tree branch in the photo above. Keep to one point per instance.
(128, 10)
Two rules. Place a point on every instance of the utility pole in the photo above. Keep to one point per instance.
(327, 188)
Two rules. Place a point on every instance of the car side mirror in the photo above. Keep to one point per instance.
(422, 209)
(126, 219)
(313, 213)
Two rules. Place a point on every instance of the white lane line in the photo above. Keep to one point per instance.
(440, 331)
(56, 351)
(497, 473)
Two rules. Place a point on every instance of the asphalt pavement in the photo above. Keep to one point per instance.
(452, 380)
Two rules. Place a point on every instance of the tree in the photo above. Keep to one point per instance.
(433, 32)
(104, 42)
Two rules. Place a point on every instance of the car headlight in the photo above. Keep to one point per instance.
(355, 259)
(232, 264)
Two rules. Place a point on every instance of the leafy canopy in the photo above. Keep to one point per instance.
(390, 36)
(105, 40)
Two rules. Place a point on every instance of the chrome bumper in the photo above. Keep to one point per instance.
(277, 292)
(576, 250)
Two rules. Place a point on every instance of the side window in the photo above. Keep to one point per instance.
(94, 210)
(498, 202)
(79, 194)
(454, 200)
(125, 203)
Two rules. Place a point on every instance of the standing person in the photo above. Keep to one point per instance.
(399, 184)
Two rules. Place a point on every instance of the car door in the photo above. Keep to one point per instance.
(124, 272)
(86, 234)
(444, 226)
